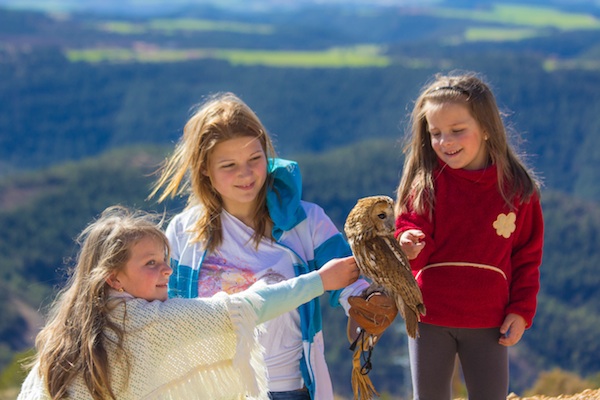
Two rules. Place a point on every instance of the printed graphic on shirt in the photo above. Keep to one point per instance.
(220, 275)
(505, 224)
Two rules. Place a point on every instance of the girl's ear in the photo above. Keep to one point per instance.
(204, 169)
(113, 282)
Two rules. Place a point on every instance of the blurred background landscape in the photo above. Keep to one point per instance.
(94, 95)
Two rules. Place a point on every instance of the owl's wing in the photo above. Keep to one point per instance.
(384, 263)
(410, 299)
(366, 253)
(392, 244)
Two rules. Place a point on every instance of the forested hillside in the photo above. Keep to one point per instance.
(90, 104)
(60, 110)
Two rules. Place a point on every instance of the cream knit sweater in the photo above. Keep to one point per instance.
(193, 348)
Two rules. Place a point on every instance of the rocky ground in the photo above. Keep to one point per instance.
(588, 394)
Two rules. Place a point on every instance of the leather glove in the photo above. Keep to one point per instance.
(369, 316)
(372, 312)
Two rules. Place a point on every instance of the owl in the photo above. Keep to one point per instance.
(370, 228)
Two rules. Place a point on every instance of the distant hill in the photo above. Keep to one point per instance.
(136, 80)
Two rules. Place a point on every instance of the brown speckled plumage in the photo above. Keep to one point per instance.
(370, 232)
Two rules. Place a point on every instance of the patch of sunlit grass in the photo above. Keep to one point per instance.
(351, 57)
(522, 15)
(169, 26)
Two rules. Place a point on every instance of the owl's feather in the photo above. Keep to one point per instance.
(370, 231)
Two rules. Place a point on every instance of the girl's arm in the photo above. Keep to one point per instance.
(329, 243)
(525, 261)
(411, 242)
(288, 295)
(512, 330)
(417, 229)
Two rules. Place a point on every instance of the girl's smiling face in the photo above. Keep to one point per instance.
(146, 273)
(238, 170)
(456, 137)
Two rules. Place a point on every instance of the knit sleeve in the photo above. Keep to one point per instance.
(413, 220)
(525, 261)
(270, 301)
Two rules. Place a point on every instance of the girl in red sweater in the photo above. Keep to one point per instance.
(470, 221)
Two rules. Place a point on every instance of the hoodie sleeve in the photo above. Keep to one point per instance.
(525, 261)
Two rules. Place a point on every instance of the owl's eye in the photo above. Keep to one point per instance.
(381, 216)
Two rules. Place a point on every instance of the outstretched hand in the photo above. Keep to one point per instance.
(339, 273)
(512, 330)
(410, 242)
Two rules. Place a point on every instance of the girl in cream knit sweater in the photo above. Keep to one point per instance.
(112, 335)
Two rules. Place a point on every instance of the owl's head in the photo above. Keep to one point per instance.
(371, 216)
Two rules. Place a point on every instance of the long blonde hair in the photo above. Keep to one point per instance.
(74, 340)
(222, 117)
(515, 181)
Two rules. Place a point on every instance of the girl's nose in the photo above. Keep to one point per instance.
(445, 139)
(245, 170)
(167, 270)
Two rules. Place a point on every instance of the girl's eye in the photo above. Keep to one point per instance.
(151, 262)
(435, 134)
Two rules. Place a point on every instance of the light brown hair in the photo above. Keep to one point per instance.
(515, 181)
(74, 340)
(222, 117)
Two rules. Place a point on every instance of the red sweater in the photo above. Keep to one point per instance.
(481, 260)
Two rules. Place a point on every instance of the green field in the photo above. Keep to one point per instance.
(352, 57)
(178, 25)
(499, 34)
(523, 16)
(581, 64)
